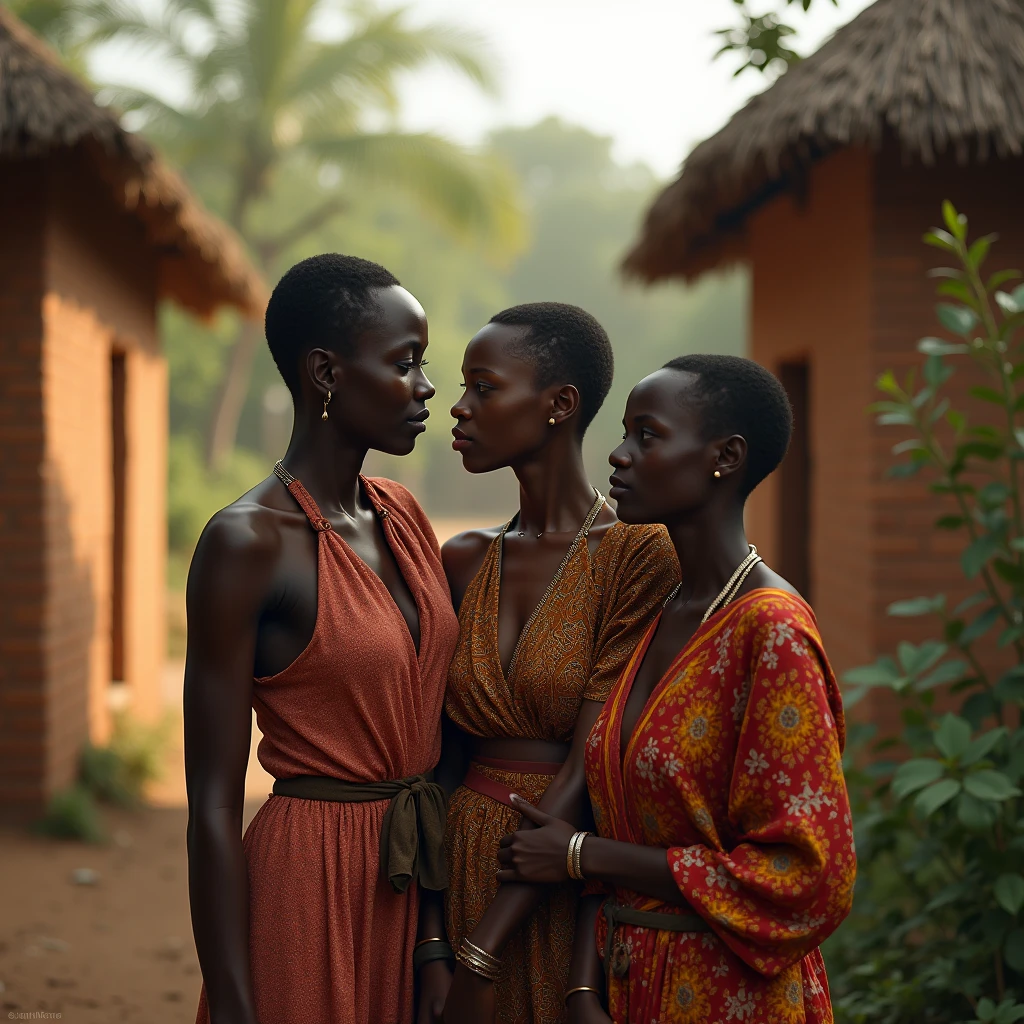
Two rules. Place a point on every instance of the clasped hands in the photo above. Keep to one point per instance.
(532, 855)
(535, 855)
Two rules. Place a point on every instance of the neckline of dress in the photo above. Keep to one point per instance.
(384, 517)
(623, 752)
(573, 548)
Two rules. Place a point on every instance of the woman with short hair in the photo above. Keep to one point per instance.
(724, 848)
(319, 600)
(550, 606)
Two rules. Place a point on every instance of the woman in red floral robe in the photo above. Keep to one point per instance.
(715, 766)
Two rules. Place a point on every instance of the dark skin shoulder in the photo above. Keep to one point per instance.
(527, 567)
(252, 609)
(230, 583)
(462, 557)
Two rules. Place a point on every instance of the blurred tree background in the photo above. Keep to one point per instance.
(283, 115)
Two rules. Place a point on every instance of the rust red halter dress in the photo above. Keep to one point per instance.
(330, 941)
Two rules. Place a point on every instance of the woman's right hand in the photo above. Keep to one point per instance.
(471, 999)
(586, 1008)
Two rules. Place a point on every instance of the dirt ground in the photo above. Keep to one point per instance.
(120, 949)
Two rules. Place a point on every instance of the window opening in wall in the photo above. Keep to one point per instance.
(119, 451)
(795, 483)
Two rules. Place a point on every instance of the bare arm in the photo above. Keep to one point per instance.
(566, 798)
(228, 581)
(586, 968)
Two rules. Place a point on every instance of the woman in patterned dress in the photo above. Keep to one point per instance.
(724, 854)
(532, 669)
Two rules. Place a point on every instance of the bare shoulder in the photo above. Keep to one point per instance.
(761, 576)
(237, 550)
(462, 557)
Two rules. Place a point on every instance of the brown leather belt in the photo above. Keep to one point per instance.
(480, 783)
(412, 834)
(616, 954)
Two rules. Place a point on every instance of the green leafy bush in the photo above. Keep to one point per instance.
(113, 774)
(72, 814)
(937, 933)
(118, 772)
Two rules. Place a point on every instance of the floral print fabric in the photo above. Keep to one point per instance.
(735, 767)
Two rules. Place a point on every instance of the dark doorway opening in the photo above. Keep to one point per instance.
(119, 449)
(795, 483)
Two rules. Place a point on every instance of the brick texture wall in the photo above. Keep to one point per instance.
(22, 582)
(94, 293)
(840, 278)
(811, 300)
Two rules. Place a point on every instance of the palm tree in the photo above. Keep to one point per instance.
(267, 91)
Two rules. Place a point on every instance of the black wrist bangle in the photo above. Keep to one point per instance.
(432, 951)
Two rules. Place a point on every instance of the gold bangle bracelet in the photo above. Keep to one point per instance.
(581, 988)
(578, 859)
(423, 942)
(573, 857)
(476, 966)
(481, 954)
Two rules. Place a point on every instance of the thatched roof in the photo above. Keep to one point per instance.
(936, 75)
(44, 108)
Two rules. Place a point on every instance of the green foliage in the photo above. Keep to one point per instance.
(72, 814)
(118, 772)
(579, 205)
(271, 89)
(113, 774)
(761, 40)
(937, 933)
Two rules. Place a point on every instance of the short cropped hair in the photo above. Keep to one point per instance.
(739, 396)
(566, 345)
(323, 302)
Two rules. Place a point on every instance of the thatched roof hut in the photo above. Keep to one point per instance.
(822, 187)
(938, 76)
(95, 229)
(44, 108)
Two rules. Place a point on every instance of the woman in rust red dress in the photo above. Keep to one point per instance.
(550, 606)
(318, 598)
(725, 845)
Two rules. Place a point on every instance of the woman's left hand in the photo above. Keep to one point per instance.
(537, 854)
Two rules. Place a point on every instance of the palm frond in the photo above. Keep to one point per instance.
(381, 47)
(466, 193)
(127, 21)
(276, 34)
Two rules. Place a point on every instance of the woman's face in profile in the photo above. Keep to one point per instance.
(502, 416)
(383, 391)
(664, 466)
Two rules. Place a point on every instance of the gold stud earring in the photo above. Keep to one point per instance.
(551, 421)
(327, 402)
(717, 475)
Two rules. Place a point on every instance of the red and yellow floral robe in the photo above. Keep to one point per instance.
(735, 767)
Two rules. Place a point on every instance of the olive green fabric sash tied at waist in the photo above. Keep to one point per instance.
(616, 954)
(412, 836)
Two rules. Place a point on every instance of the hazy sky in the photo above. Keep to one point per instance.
(637, 70)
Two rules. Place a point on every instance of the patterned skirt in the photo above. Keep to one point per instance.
(536, 960)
